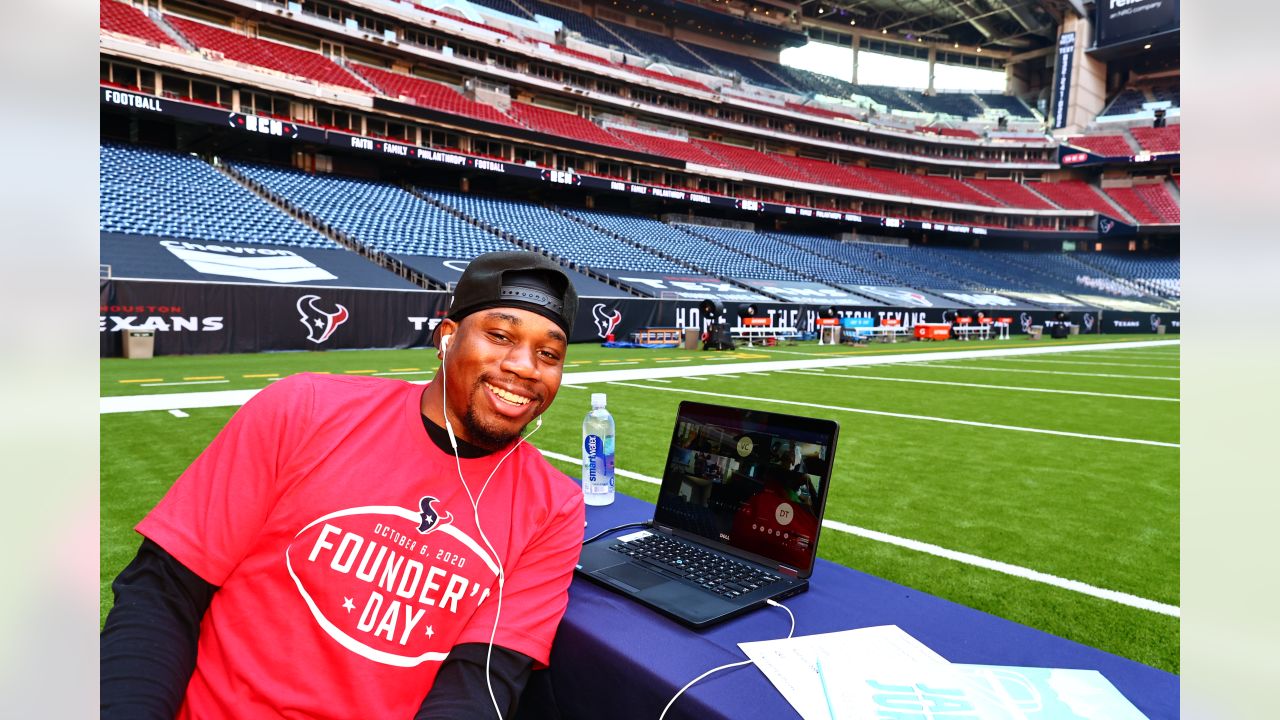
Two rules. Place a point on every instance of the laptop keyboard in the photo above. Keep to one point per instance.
(713, 571)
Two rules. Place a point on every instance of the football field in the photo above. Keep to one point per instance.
(1040, 487)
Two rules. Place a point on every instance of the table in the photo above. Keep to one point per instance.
(762, 331)
(657, 336)
(887, 333)
(963, 332)
(616, 659)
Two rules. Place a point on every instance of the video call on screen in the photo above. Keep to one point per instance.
(746, 484)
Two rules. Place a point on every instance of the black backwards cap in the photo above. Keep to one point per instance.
(518, 279)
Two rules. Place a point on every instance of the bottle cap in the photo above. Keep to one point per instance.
(597, 401)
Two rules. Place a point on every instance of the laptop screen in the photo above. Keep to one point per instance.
(749, 479)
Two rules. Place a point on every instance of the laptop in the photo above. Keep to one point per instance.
(737, 519)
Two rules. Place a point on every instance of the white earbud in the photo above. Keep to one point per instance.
(537, 422)
(444, 343)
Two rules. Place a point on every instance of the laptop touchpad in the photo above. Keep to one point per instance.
(636, 577)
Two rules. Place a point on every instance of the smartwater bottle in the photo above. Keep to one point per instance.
(597, 453)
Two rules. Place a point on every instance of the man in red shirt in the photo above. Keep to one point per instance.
(361, 547)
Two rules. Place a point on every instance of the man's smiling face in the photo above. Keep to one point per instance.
(502, 370)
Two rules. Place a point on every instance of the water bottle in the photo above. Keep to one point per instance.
(597, 453)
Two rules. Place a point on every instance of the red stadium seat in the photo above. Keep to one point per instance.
(429, 94)
(563, 124)
(265, 53)
(1159, 140)
(1075, 195)
(125, 19)
(1105, 145)
(1129, 199)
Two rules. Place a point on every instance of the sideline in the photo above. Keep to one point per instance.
(230, 398)
(1017, 571)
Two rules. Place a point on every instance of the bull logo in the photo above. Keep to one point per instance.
(605, 322)
(1088, 322)
(1025, 319)
(1105, 225)
(430, 517)
(1155, 322)
(319, 324)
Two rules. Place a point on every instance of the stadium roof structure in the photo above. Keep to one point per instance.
(1014, 25)
(696, 17)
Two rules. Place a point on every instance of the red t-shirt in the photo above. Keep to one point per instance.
(347, 555)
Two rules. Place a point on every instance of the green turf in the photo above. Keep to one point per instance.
(196, 373)
(1099, 512)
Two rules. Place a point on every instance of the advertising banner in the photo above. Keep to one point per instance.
(686, 287)
(806, 292)
(975, 299)
(158, 258)
(202, 318)
(1139, 322)
(447, 270)
(901, 296)
(195, 318)
(1123, 20)
(1062, 79)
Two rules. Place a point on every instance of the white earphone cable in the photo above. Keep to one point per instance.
(694, 681)
(475, 509)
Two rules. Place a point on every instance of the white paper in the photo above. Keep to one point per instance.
(791, 664)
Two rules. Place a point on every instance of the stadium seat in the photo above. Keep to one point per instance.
(119, 17)
(155, 192)
(1158, 140)
(1129, 199)
(379, 215)
(564, 124)
(1105, 145)
(264, 53)
(429, 94)
(1075, 195)
(555, 232)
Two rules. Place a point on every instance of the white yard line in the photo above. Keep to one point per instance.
(789, 352)
(178, 414)
(906, 416)
(1086, 362)
(142, 403)
(946, 366)
(187, 382)
(937, 551)
(1140, 355)
(980, 385)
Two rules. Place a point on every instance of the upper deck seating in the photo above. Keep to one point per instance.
(265, 53)
(128, 20)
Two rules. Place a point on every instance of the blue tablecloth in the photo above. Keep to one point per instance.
(615, 659)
